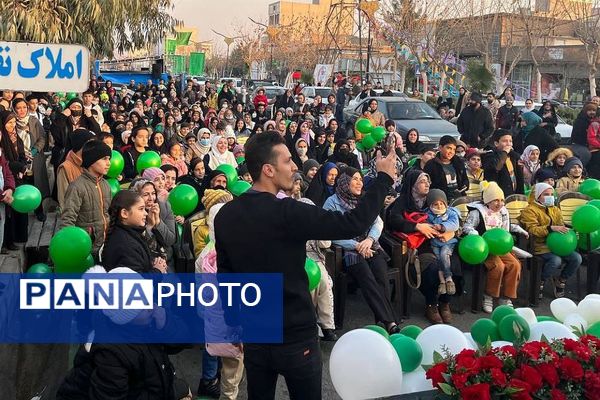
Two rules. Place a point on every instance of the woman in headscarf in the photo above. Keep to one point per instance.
(175, 158)
(199, 148)
(533, 133)
(309, 170)
(547, 113)
(195, 178)
(531, 163)
(342, 154)
(300, 153)
(320, 146)
(372, 173)
(413, 144)
(322, 185)
(334, 126)
(218, 154)
(304, 132)
(406, 218)
(290, 133)
(158, 142)
(158, 177)
(363, 257)
(159, 117)
(170, 128)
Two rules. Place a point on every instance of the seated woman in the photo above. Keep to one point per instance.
(405, 218)
(363, 257)
(195, 178)
(503, 271)
(321, 186)
(218, 154)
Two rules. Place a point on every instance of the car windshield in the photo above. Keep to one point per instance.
(271, 93)
(411, 110)
(323, 92)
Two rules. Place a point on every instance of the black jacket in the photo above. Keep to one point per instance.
(438, 178)
(507, 117)
(125, 247)
(284, 101)
(130, 157)
(494, 169)
(475, 125)
(367, 93)
(579, 132)
(258, 233)
(61, 131)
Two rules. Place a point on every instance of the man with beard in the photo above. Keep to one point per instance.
(475, 123)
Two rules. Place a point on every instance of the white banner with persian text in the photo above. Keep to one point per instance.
(44, 67)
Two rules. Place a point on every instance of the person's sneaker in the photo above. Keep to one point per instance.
(40, 215)
(488, 304)
(433, 315)
(541, 295)
(442, 288)
(209, 388)
(450, 287)
(445, 313)
(329, 335)
(505, 301)
(559, 287)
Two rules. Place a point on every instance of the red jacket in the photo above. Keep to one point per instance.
(593, 135)
(260, 98)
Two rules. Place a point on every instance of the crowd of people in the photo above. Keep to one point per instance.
(312, 188)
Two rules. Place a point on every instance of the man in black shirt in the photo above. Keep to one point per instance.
(447, 171)
(258, 233)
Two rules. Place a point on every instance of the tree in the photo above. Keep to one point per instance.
(104, 27)
(479, 76)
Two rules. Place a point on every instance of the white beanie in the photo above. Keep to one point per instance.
(539, 188)
(123, 316)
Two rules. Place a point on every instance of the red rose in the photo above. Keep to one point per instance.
(466, 362)
(460, 380)
(435, 373)
(524, 389)
(508, 349)
(532, 350)
(530, 375)
(480, 391)
(498, 377)
(489, 362)
(592, 385)
(581, 351)
(549, 374)
(557, 395)
(571, 369)
(597, 364)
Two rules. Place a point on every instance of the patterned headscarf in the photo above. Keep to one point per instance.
(342, 188)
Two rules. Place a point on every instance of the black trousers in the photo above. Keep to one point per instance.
(300, 364)
(593, 167)
(370, 274)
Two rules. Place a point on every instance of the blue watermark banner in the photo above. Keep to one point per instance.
(141, 308)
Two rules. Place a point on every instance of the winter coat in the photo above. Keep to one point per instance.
(495, 169)
(593, 135)
(450, 220)
(507, 117)
(68, 171)
(125, 247)
(38, 166)
(61, 131)
(537, 220)
(540, 138)
(86, 206)
(435, 170)
(579, 134)
(568, 184)
(475, 125)
(475, 224)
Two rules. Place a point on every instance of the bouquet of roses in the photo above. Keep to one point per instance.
(563, 369)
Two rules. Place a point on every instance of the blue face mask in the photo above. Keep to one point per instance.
(549, 201)
(205, 142)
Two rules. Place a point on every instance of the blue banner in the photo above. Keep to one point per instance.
(141, 308)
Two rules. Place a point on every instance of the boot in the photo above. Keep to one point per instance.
(432, 314)
(445, 313)
(209, 388)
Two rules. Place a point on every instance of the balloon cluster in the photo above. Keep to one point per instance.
(474, 249)
(372, 135)
(234, 184)
(64, 98)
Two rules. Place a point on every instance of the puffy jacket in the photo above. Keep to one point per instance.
(86, 206)
(593, 135)
(537, 220)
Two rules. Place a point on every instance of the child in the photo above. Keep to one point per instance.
(88, 197)
(545, 175)
(503, 271)
(474, 173)
(108, 138)
(531, 163)
(140, 136)
(444, 219)
(244, 174)
(571, 181)
(540, 218)
(158, 177)
(200, 227)
(71, 168)
(447, 171)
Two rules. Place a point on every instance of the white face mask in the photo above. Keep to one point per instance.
(549, 201)
(438, 211)
(302, 151)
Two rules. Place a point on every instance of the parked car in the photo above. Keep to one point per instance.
(310, 92)
(407, 113)
(357, 99)
(254, 84)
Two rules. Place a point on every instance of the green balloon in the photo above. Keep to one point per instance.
(412, 331)
(562, 244)
(500, 242)
(39, 268)
(409, 352)
(26, 198)
(114, 186)
(313, 272)
(230, 173)
(378, 329)
(117, 163)
(287, 123)
(360, 146)
(378, 133)
(484, 329)
(513, 327)
(368, 142)
(89, 262)
(543, 318)
(69, 249)
(590, 187)
(240, 160)
(364, 126)
(183, 199)
(502, 311)
(586, 219)
(239, 187)
(594, 239)
(594, 330)
(71, 96)
(147, 159)
(473, 249)
(595, 203)
(61, 95)
(62, 104)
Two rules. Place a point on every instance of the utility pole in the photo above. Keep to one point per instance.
(360, 56)
(368, 50)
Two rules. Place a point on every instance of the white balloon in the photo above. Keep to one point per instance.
(471, 340)
(589, 308)
(575, 321)
(562, 307)
(415, 381)
(551, 330)
(364, 365)
(500, 343)
(528, 314)
(593, 296)
(439, 338)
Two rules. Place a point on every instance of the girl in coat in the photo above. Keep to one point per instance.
(531, 163)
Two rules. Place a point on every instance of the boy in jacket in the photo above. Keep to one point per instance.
(447, 171)
(503, 166)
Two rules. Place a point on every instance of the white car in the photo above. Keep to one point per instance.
(357, 99)
(562, 128)
(310, 92)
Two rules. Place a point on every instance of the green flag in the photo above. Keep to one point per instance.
(170, 46)
(196, 63)
(183, 38)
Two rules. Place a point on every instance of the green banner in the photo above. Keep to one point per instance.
(183, 38)
(170, 46)
(196, 63)
(178, 64)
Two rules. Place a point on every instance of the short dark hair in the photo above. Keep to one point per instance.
(447, 139)
(259, 151)
(490, 93)
(221, 126)
(498, 133)
(168, 167)
(138, 128)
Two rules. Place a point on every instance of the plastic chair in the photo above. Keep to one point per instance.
(568, 202)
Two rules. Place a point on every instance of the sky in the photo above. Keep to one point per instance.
(220, 15)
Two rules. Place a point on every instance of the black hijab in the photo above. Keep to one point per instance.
(413, 148)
